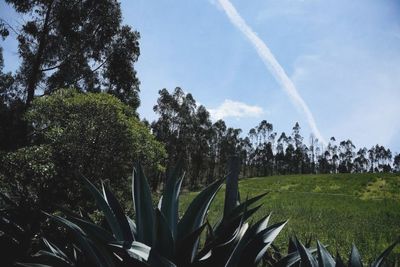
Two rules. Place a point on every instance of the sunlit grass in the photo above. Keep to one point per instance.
(338, 209)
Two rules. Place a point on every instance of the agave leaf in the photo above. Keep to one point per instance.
(307, 259)
(325, 259)
(86, 246)
(137, 250)
(170, 198)
(291, 258)
(227, 236)
(187, 247)
(378, 262)
(257, 246)
(339, 261)
(355, 257)
(93, 230)
(143, 205)
(119, 215)
(244, 216)
(53, 259)
(54, 249)
(246, 236)
(8, 200)
(196, 212)
(103, 206)
(157, 260)
(240, 208)
(32, 264)
(132, 226)
(163, 242)
(232, 182)
(292, 247)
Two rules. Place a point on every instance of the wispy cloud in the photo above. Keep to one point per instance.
(235, 109)
(272, 64)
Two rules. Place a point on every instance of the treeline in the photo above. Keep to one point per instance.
(205, 147)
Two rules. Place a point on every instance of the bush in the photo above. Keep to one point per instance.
(93, 134)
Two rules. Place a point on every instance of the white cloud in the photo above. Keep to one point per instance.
(235, 109)
(272, 64)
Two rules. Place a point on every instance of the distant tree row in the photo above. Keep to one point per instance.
(205, 147)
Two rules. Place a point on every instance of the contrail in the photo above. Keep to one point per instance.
(272, 64)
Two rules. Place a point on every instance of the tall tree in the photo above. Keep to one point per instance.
(76, 43)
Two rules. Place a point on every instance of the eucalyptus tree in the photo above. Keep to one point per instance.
(396, 163)
(361, 161)
(346, 153)
(77, 43)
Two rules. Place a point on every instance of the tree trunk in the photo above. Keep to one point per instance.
(34, 73)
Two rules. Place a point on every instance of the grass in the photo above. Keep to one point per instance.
(338, 209)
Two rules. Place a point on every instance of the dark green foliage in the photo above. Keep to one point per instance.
(75, 134)
(19, 226)
(80, 44)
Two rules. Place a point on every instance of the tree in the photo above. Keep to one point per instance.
(396, 163)
(361, 161)
(12, 126)
(86, 134)
(77, 43)
(346, 156)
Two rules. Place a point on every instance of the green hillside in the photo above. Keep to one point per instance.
(338, 209)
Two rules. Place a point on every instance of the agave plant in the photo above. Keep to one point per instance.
(158, 236)
(303, 255)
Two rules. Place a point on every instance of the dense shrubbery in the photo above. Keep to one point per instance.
(158, 236)
(75, 134)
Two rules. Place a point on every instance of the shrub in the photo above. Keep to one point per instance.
(93, 134)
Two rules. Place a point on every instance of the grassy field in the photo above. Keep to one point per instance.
(338, 209)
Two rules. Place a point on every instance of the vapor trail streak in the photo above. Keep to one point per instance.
(272, 64)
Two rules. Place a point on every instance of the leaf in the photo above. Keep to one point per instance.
(291, 258)
(239, 209)
(170, 198)
(157, 260)
(325, 259)
(108, 213)
(143, 205)
(383, 255)
(187, 247)
(196, 212)
(93, 230)
(163, 242)
(307, 259)
(81, 238)
(355, 257)
(232, 183)
(257, 246)
(32, 264)
(119, 215)
(339, 261)
(136, 250)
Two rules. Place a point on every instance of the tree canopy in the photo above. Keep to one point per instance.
(93, 135)
(80, 44)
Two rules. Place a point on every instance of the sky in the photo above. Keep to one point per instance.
(331, 65)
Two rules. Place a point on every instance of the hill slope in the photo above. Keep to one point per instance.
(338, 209)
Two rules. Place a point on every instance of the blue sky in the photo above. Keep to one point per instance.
(342, 56)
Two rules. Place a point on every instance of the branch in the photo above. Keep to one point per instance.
(9, 26)
(92, 71)
(52, 68)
